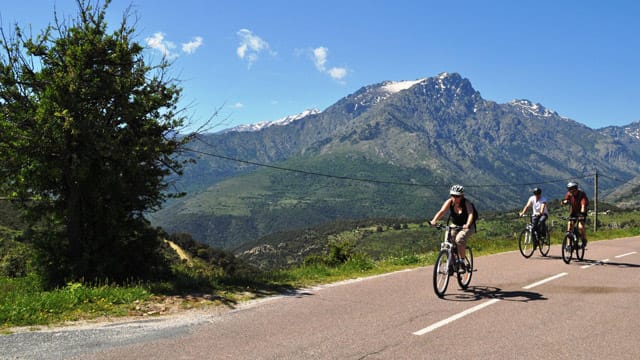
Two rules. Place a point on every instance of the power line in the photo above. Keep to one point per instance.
(374, 180)
(618, 180)
(311, 172)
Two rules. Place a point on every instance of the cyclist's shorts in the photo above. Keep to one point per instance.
(461, 236)
(581, 217)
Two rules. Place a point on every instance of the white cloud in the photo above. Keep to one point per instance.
(166, 47)
(237, 105)
(191, 46)
(158, 42)
(320, 55)
(337, 73)
(251, 46)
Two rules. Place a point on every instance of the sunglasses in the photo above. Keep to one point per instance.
(455, 196)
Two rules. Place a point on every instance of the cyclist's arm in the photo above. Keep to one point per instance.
(543, 207)
(470, 217)
(440, 213)
(583, 206)
(526, 207)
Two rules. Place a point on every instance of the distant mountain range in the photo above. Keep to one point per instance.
(392, 149)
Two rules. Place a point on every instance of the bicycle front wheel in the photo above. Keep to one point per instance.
(464, 276)
(567, 248)
(544, 243)
(441, 273)
(525, 242)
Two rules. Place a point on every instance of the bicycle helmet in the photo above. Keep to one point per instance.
(456, 190)
(572, 185)
(536, 191)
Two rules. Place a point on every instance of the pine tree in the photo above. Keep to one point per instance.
(88, 133)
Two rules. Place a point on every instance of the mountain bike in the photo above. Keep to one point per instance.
(446, 263)
(530, 239)
(572, 242)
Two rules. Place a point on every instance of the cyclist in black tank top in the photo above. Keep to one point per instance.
(461, 214)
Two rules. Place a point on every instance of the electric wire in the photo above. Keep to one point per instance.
(341, 177)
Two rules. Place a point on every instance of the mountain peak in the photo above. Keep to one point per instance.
(527, 106)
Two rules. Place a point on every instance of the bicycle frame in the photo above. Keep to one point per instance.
(572, 242)
(530, 239)
(446, 263)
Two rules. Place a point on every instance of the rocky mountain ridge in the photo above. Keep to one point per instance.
(404, 142)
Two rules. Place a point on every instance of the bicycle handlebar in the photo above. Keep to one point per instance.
(443, 227)
(572, 218)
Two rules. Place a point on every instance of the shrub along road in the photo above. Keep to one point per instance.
(514, 308)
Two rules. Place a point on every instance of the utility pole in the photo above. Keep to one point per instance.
(595, 202)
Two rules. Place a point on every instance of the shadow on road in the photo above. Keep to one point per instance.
(606, 263)
(475, 293)
(587, 261)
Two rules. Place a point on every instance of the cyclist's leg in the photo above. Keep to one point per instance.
(583, 232)
(535, 220)
(461, 243)
(543, 224)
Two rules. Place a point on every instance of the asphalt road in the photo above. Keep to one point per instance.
(515, 308)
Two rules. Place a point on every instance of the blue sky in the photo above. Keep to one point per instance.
(257, 61)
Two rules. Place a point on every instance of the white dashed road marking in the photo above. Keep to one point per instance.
(627, 254)
(544, 281)
(457, 316)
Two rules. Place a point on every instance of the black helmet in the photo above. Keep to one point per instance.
(537, 191)
(572, 185)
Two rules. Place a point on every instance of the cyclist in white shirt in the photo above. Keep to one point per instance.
(539, 211)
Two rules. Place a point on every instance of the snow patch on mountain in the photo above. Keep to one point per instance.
(633, 132)
(280, 122)
(393, 87)
(527, 106)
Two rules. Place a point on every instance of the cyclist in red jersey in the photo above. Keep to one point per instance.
(579, 202)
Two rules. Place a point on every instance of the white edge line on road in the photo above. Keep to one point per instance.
(544, 281)
(627, 254)
(455, 317)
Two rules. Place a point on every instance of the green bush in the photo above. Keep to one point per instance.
(13, 265)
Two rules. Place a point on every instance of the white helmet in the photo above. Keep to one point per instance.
(572, 184)
(456, 190)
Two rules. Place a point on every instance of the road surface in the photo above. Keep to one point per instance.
(515, 308)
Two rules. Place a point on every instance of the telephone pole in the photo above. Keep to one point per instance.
(595, 202)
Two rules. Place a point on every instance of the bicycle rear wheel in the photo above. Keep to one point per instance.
(579, 247)
(464, 278)
(544, 243)
(441, 273)
(567, 248)
(525, 242)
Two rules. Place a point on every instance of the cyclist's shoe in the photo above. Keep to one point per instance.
(460, 265)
